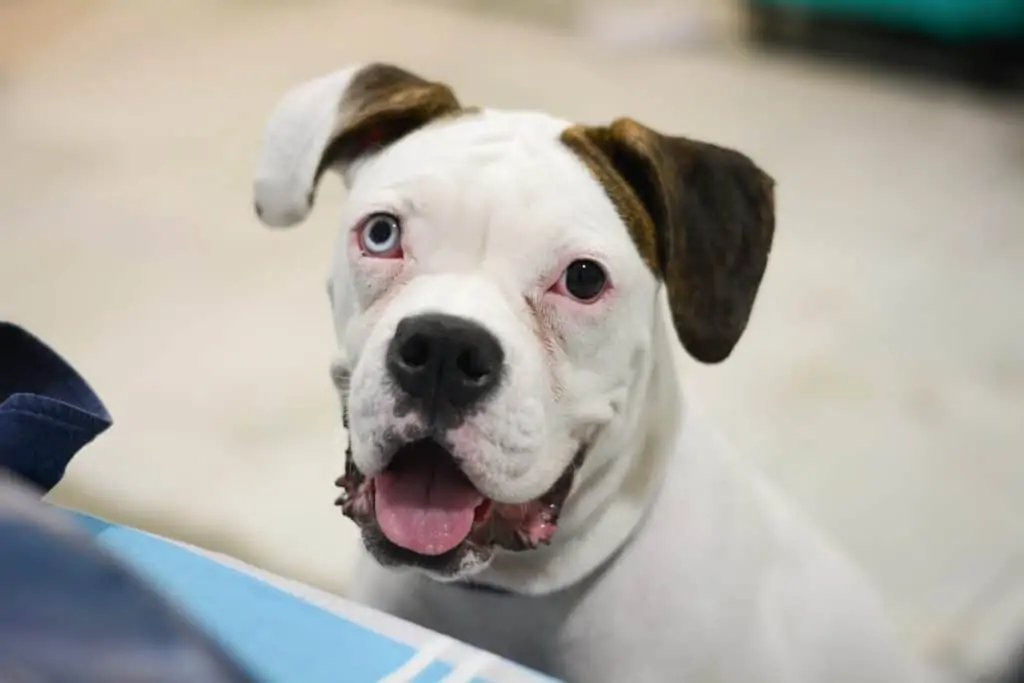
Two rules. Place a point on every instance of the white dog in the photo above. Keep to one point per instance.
(526, 471)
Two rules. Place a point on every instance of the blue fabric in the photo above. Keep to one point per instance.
(280, 637)
(70, 613)
(47, 411)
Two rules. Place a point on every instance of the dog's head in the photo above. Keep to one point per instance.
(494, 291)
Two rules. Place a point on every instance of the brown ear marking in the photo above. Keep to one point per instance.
(382, 104)
(701, 216)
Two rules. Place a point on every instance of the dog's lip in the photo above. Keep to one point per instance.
(509, 526)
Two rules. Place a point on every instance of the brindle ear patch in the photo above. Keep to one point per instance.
(702, 218)
(590, 144)
(383, 104)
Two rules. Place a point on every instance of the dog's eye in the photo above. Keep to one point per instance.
(584, 280)
(380, 236)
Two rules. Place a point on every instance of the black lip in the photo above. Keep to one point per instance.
(350, 481)
(449, 564)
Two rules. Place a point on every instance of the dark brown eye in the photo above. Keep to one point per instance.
(584, 280)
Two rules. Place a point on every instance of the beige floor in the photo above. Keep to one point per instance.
(881, 384)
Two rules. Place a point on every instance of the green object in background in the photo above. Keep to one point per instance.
(949, 19)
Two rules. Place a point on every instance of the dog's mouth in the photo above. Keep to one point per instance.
(424, 504)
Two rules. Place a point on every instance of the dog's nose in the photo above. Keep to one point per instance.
(444, 361)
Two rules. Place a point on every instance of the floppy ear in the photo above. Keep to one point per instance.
(333, 121)
(702, 218)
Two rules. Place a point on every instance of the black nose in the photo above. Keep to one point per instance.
(444, 362)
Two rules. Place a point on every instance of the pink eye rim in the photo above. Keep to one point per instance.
(379, 236)
(583, 281)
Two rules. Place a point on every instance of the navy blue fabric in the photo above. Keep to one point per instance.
(70, 613)
(47, 411)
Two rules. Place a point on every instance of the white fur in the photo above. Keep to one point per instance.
(717, 579)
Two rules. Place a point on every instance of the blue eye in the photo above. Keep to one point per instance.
(380, 235)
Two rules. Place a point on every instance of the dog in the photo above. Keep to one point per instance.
(512, 294)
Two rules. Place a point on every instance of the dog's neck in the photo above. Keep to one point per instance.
(614, 488)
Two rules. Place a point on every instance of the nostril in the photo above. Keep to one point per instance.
(415, 351)
(472, 365)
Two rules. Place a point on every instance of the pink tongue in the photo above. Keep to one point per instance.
(425, 506)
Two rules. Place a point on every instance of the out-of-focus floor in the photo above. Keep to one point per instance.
(881, 382)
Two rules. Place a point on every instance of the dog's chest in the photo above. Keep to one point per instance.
(523, 629)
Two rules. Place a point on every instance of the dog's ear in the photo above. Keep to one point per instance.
(701, 216)
(330, 123)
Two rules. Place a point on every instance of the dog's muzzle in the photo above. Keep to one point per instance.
(421, 508)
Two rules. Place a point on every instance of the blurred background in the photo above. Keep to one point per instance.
(881, 383)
